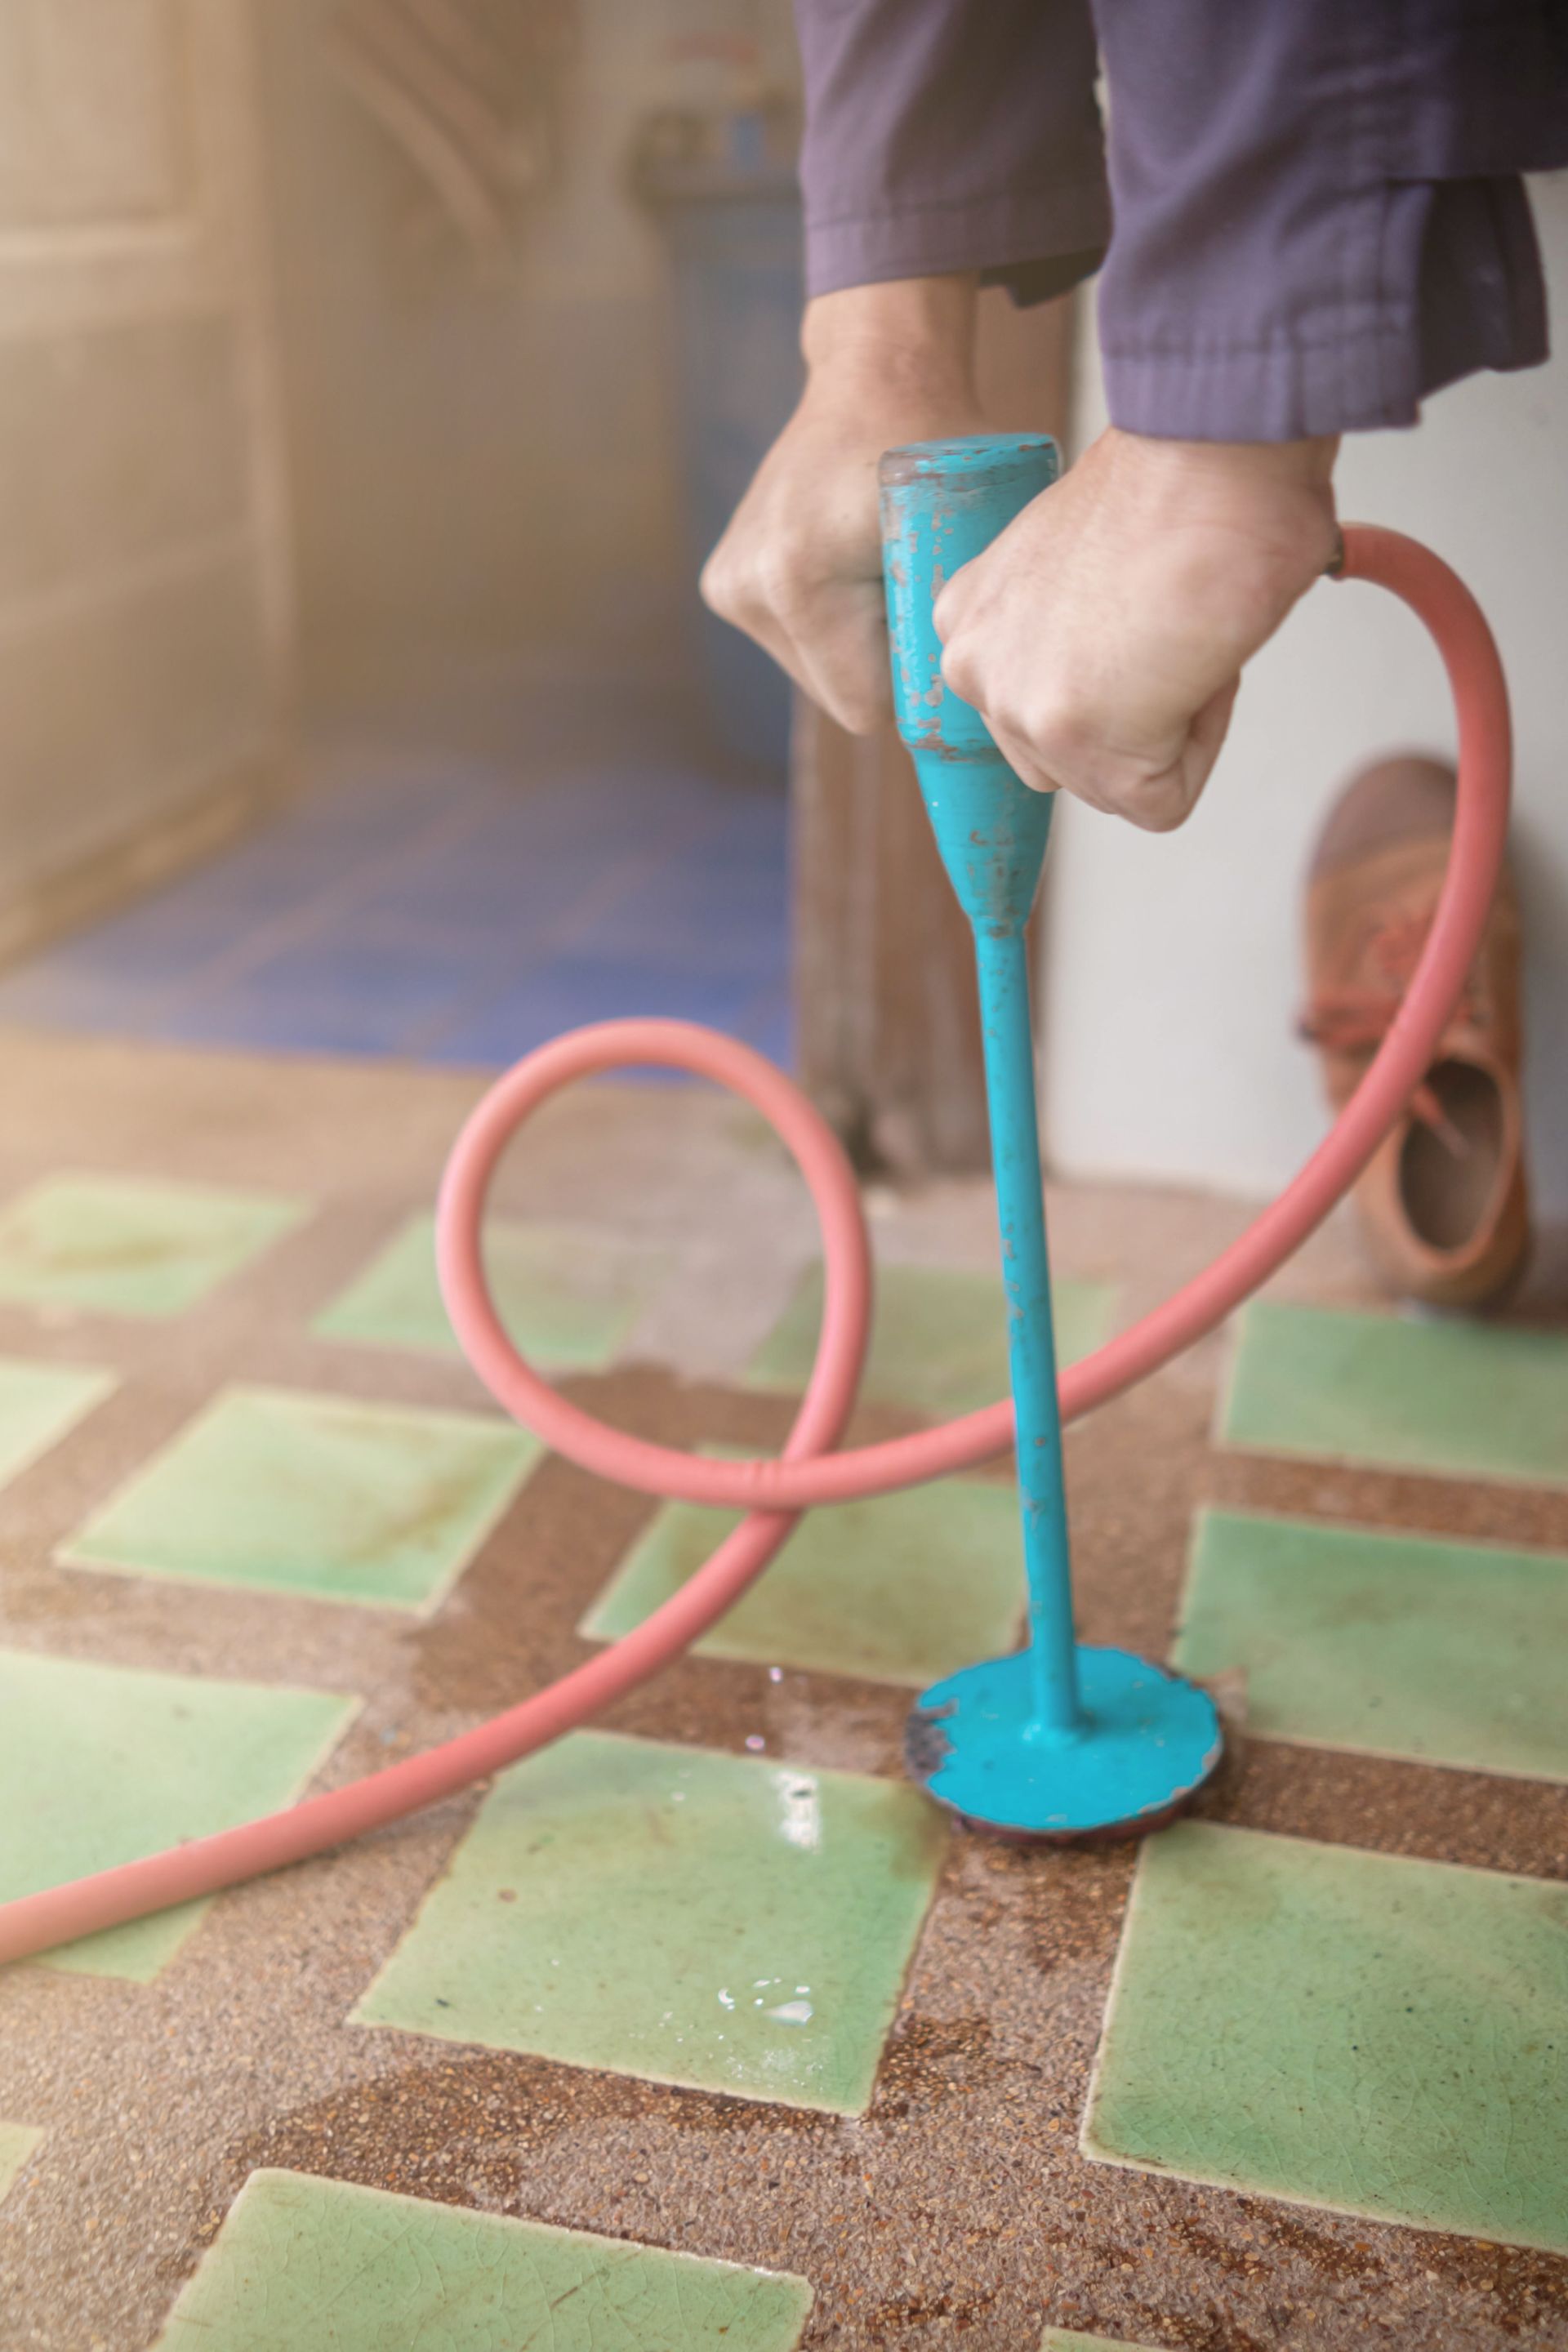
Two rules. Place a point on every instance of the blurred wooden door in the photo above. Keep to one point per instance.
(888, 1028)
(143, 605)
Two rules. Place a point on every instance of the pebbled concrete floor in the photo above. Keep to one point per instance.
(959, 2207)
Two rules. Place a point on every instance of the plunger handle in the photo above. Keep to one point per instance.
(942, 503)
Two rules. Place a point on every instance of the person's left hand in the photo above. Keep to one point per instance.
(1101, 636)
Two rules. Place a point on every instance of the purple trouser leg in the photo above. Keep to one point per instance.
(1318, 216)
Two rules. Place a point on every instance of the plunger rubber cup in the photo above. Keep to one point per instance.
(1058, 1741)
(1146, 1742)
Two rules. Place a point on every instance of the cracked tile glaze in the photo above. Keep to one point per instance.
(1455, 1399)
(323, 2266)
(938, 1336)
(142, 1246)
(667, 1912)
(119, 1763)
(319, 1495)
(1399, 1644)
(901, 1588)
(567, 1297)
(1358, 2031)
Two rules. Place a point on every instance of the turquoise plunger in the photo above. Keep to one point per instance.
(1061, 1740)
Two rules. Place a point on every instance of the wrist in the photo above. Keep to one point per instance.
(914, 335)
(1306, 465)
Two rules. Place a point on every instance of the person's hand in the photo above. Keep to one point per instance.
(1102, 634)
(800, 567)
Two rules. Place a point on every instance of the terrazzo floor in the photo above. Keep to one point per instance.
(703, 2031)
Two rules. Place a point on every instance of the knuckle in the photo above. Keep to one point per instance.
(720, 584)
(1060, 730)
(1159, 814)
(961, 668)
(784, 577)
(863, 709)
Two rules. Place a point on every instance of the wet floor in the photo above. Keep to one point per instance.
(705, 2029)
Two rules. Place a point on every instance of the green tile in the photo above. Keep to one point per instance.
(133, 1245)
(119, 1763)
(17, 2142)
(377, 1504)
(569, 1298)
(309, 2266)
(938, 1342)
(901, 1588)
(1068, 2339)
(41, 1403)
(711, 1921)
(1461, 1399)
(1399, 1644)
(1344, 2029)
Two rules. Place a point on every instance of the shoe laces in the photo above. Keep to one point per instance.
(1355, 1019)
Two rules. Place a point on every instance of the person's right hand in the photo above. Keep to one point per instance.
(800, 566)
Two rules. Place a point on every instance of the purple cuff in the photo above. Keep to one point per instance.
(1278, 268)
(1009, 238)
(1460, 290)
(948, 135)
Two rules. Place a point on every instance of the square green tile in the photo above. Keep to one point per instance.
(137, 1245)
(939, 1340)
(17, 2142)
(281, 1491)
(901, 1588)
(1460, 1398)
(41, 1403)
(1398, 1645)
(1343, 2028)
(708, 1920)
(118, 1762)
(309, 2266)
(569, 1298)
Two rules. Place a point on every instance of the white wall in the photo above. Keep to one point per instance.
(1173, 971)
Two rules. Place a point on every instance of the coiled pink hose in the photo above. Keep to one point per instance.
(774, 1493)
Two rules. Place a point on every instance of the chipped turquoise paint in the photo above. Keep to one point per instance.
(1056, 1739)
(898, 1589)
(308, 2265)
(133, 1245)
(280, 1492)
(569, 1298)
(938, 1336)
(118, 1762)
(1350, 2030)
(942, 504)
(718, 1921)
(1399, 1644)
(1458, 1398)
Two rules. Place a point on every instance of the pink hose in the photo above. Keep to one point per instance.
(810, 1471)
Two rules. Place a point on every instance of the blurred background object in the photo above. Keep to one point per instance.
(383, 523)
(470, 92)
(374, 376)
